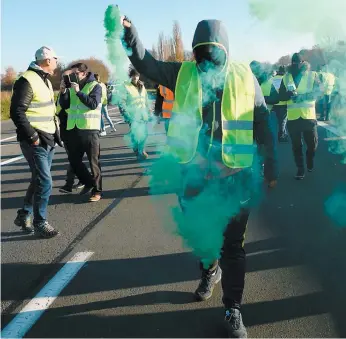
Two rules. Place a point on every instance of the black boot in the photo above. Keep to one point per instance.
(208, 281)
(23, 220)
(234, 324)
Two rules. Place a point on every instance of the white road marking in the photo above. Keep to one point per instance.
(9, 138)
(6, 162)
(9, 161)
(334, 138)
(29, 315)
(330, 128)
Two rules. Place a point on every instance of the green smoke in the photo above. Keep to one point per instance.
(118, 56)
(336, 206)
(326, 21)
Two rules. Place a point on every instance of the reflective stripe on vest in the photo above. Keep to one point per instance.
(237, 109)
(81, 116)
(168, 100)
(306, 109)
(41, 110)
(104, 100)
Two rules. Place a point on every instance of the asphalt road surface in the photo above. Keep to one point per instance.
(138, 280)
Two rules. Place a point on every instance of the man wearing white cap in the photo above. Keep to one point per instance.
(33, 112)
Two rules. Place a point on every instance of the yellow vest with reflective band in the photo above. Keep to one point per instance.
(266, 89)
(42, 108)
(104, 100)
(237, 112)
(136, 103)
(81, 116)
(305, 109)
(168, 100)
(328, 80)
(277, 83)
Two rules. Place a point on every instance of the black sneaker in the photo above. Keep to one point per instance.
(300, 174)
(44, 230)
(86, 190)
(234, 324)
(65, 189)
(206, 286)
(23, 220)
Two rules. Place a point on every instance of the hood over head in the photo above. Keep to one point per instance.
(210, 44)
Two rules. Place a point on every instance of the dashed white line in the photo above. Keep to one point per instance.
(330, 128)
(6, 162)
(9, 138)
(28, 316)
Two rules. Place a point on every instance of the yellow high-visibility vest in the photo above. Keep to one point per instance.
(305, 109)
(42, 108)
(237, 110)
(81, 116)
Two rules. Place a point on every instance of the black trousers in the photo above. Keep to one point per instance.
(281, 116)
(233, 257)
(79, 142)
(303, 129)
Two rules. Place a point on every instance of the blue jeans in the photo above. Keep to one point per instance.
(104, 112)
(37, 196)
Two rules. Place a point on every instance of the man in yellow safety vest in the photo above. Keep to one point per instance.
(280, 109)
(300, 87)
(33, 112)
(135, 107)
(82, 102)
(211, 136)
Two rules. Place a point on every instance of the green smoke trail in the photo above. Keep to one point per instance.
(118, 56)
(335, 206)
(203, 212)
(117, 53)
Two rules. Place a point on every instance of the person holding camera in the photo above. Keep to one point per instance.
(300, 87)
(80, 96)
(33, 112)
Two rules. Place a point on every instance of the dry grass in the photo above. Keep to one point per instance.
(5, 104)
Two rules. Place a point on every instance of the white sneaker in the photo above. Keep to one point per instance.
(102, 134)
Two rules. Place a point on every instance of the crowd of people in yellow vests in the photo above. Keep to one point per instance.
(216, 114)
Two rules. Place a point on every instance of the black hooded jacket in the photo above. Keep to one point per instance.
(166, 73)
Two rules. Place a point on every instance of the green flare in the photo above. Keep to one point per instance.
(117, 54)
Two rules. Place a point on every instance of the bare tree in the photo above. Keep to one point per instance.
(178, 43)
(9, 77)
(161, 47)
(154, 52)
(95, 66)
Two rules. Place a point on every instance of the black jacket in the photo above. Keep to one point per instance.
(166, 73)
(158, 103)
(20, 102)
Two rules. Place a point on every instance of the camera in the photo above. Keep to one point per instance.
(68, 79)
